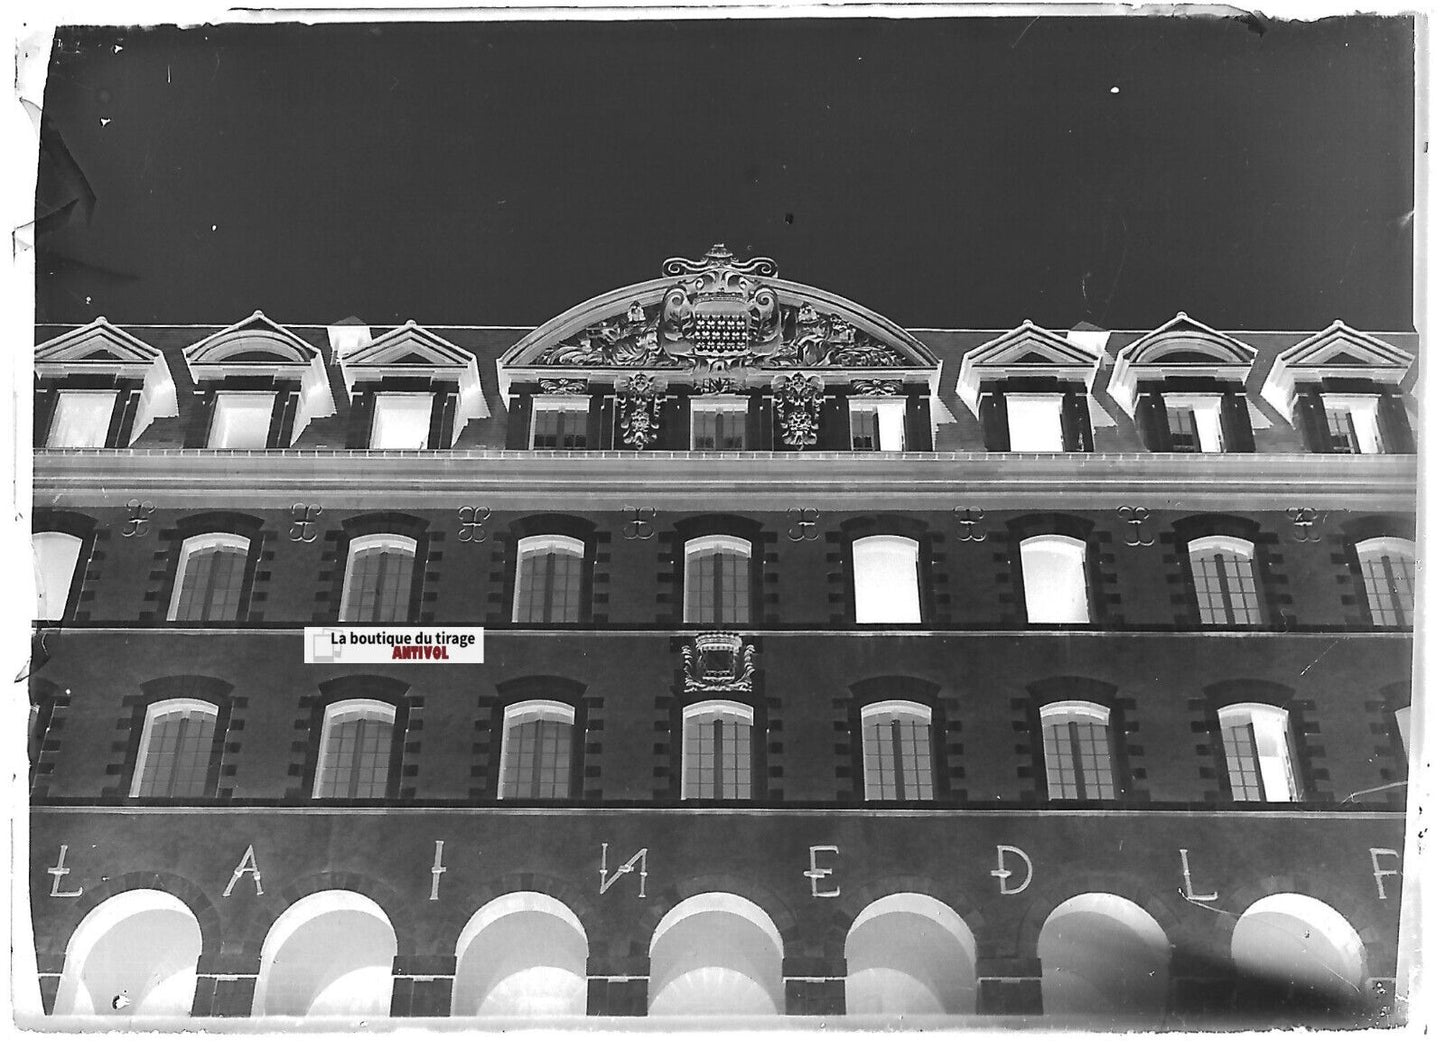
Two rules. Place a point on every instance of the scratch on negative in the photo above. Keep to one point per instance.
(1322, 655)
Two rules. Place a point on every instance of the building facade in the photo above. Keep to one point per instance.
(828, 669)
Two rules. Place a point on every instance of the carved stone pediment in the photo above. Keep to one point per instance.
(718, 662)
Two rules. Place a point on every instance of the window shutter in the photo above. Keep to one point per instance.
(1151, 419)
(759, 435)
(598, 431)
(917, 424)
(1309, 419)
(1234, 421)
(993, 413)
(45, 401)
(199, 430)
(1078, 427)
(358, 426)
(283, 418)
(1395, 425)
(443, 416)
(834, 434)
(519, 421)
(675, 433)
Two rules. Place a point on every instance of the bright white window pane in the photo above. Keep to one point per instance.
(82, 418)
(241, 420)
(1205, 409)
(536, 750)
(1363, 410)
(56, 557)
(717, 751)
(1223, 570)
(1257, 752)
(897, 752)
(401, 420)
(885, 580)
(1388, 565)
(877, 425)
(1055, 590)
(355, 756)
(377, 588)
(1035, 422)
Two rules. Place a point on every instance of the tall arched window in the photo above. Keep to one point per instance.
(1388, 564)
(174, 760)
(885, 580)
(718, 580)
(1076, 751)
(717, 759)
(897, 751)
(1223, 569)
(57, 555)
(354, 760)
(536, 750)
(379, 571)
(549, 580)
(1257, 752)
(209, 578)
(1055, 583)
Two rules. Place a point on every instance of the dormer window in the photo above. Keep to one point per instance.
(1030, 390)
(1035, 422)
(241, 420)
(82, 419)
(401, 421)
(559, 423)
(719, 424)
(1195, 422)
(1352, 421)
(876, 424)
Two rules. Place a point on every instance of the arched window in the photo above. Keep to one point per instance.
(536, 750)
(549, 580)
(1055, 586)
(174, 760)
(522, 954)
(354, 760)
(57, 554)
(1388, 565)
(379, 570)
(717, 759)
(1223, 569)
(897, 751)
(718, 580)
(885, 580)
(1076, 751)
(210, 577)
(1257, 752)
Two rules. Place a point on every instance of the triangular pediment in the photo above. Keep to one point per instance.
(257, 341)
(718, 314)
(1338, 352)
(1027, 350)
(408, 347)
(99, 343)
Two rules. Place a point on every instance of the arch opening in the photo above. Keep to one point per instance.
(716, 954)
(1103, 955)
(523, 954)
(329, 954)
(910, 955)
(1296, 956)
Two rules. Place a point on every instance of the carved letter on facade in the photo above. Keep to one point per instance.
(249, 866)
(437, 870)
(816, 874)
(1189, 893)
(60, 870)
(1003, 874)
(638, 862)
(1381, 873)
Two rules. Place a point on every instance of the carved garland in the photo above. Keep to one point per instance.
(639, 407)
(800, 399)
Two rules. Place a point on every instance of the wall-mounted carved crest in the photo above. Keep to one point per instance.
(800, 399)
(720, 314)
(718, 662)
(639, 406)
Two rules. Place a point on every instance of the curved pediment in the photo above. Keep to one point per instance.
(717, 314)
(1181, 348)
(256, 344)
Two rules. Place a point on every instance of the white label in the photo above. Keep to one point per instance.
(369, 643)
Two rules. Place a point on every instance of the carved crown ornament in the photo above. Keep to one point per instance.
(717, 662)
(721, 323)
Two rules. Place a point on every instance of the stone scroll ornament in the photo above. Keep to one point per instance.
(800, 399)
(639, 408)
(877, 387)
(564, 386)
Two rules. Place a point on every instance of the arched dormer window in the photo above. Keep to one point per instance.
(355, 759)
(549, 579)
(380, 572)
(537, 755)
(897, 751)
(1258, 752)
(1387, 565)
(717, 751)
(210, 578)
(175, 758)
(718, 580)
(1222, 567)
(1078, 761)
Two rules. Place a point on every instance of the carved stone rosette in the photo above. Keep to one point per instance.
(639, 407)
(877, 387)
(564, 386)
(718, 662)
(800, 399)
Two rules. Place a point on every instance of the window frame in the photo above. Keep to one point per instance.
(1396, 547)
(360, 544)
(1077, 544)
(579, 404)
(1361, 408)
(855, 582)
(218, 409)
(1289, 753)
(1239, 547)
(879, 708)
(874, 406)
(199, 542)
(693, 713)
(91, 393)
(738, 545)
(522, 555)
(1212, 407)
(1070, 711)
(159, 709)
(331, 714)
(730, 405)
(512, 713)
(77, 574)
(380, 398)
(1021, 398)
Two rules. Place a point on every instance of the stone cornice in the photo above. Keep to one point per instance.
(753, 480)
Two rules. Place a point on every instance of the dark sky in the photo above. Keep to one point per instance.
(947, 173)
